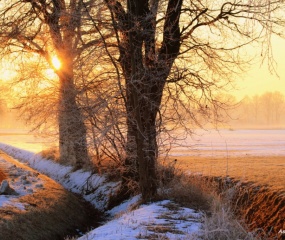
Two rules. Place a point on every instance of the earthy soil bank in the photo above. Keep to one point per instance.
(50, 213)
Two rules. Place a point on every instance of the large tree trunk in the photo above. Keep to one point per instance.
(72, 131)
(147, 152)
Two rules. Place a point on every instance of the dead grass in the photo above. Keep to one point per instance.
(191, 191)
(2, 176)
(264, 170)
(223, 225)
(255, 190)
(201, 193)
(51, 153)
(51, 213)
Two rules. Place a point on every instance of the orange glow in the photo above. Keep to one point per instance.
(56, 63)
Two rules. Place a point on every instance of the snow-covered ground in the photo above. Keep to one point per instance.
(80, 182)
(162, 220)
(233, 142)
(204, 143)
(22, 181)
(154, 220)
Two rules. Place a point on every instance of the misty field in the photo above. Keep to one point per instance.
(248, 155)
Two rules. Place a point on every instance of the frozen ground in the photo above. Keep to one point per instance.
(160, 220)
(22, 181)
(232, 142)
(154, 220)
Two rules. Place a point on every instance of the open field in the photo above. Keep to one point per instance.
(264, 170)
(255, 159)
(247, 155)
(254, 162)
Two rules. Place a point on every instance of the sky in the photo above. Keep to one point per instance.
(259, 79)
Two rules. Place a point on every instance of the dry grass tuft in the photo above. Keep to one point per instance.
(51, 153)
(223, 225)
(191, 191)
(200, 193)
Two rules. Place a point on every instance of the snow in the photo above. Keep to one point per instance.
(160, 219)
(124, 207)
(233, 142)
(80, 182)
(24, 182)
(164, 220)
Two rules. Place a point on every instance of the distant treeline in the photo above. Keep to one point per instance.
(258, 111)
(266, 110)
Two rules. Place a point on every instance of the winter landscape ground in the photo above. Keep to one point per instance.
(247, 156)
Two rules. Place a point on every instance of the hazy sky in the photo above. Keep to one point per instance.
(259, 79)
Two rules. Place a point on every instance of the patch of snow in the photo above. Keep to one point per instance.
(156, 220)
(22, 181)
(124, 207)
(13, 203)
(94, 188)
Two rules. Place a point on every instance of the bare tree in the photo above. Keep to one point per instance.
(190, 48)
(54, 30)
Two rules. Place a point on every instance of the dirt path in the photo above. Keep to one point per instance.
(51, 212)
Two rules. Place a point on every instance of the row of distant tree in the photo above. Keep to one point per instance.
(266, 110)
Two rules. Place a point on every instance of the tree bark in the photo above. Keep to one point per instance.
(72, 130)
(145, 71)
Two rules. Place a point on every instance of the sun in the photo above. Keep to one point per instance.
(56, 62)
